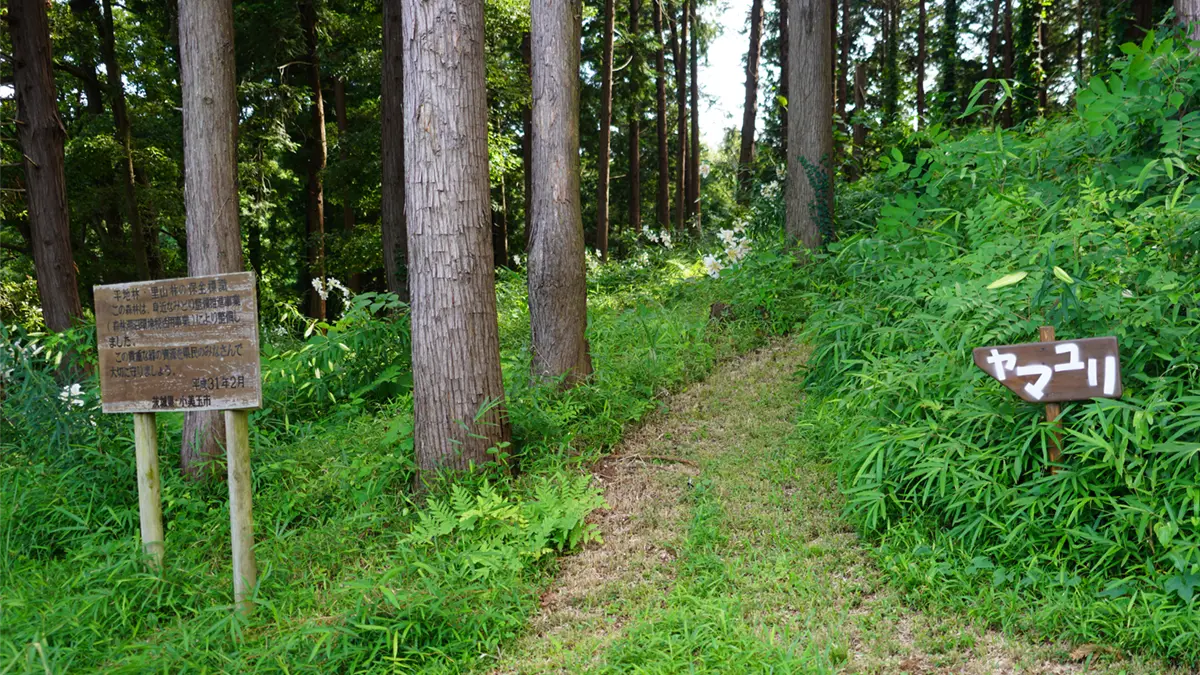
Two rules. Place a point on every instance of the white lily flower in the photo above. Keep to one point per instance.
(712, 266)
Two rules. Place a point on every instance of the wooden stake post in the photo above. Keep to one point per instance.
(1053, 410)
(145, 440)
(1051, 371)
(183, 345)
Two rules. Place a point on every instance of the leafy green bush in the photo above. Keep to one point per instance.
(1100, 214)
(356, 573)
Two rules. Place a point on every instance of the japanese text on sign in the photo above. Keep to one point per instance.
(179, 344)
(1067, 370)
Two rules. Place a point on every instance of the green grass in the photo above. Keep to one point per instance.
(734, 557)
(343, 587)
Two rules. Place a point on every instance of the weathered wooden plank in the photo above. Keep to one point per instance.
(179, 344)
(1063, 370)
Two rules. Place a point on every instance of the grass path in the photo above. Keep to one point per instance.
(724, 552)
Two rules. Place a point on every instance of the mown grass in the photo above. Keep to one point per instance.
(345, 583)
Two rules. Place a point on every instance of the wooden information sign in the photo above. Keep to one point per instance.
(1047, 372)
(179, 344)
(1051, 371)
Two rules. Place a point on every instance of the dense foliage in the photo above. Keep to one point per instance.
(1090, 224)
(357, 571)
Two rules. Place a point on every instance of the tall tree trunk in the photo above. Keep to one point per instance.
(922, 56)
(694, 167)
(315, 213)
(1006, 114)
(605, 141)
(343, 125)
(784, 76)
(845, 42)
(500, 226)
(124, 136)
(1080, 65)
(458, 393)
(635, 117)
(750, 107)
(41, 135)
(1141, 20)
(810, 181)
(859, 139)
(1187, 12)
(948, 62)
(214, 240)
(679, 57)
(891, 63)
(527, 142)
(1042, 52)
(993, 49)
(392, 207)
(662, 202)
(557, 280)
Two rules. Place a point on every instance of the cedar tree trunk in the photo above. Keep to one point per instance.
(602, 159)
(41, 135)
(662, 201)
(750, 107)
(809, 185)
(557, 283)
(458, 393)
(210, 195)
(394, 226)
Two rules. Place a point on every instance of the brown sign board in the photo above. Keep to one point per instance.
(179, 344)
(1047, 372)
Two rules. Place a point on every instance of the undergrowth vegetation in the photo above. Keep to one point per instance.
(356, 573)
(1090, 224)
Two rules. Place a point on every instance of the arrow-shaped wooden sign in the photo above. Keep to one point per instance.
(1066, 370)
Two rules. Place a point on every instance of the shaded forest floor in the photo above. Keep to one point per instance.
(725, 551)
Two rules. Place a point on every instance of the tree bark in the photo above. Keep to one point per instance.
(810, 127)
(527, 141)
(784, 76)
(1187, 12)
(1006, 114)
(500, 227)
(694, 167)
(1141, 20)
(392, 207)
(458, 393)
(317, 157)
(124, 137)
(605, 137)
(845, 42)
(1042, 51)
(922, 55)
(41, 135)
(663, 180)
(557, 281)
(635, 117)
(679, 57)
(859, 139)
(890, 88)
(993, 50)
(750, 107)
(948, 62)
(214, 240)
(354, 283)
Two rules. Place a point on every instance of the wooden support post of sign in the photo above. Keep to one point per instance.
(241, 520)
(1046, 334)
(145, 441)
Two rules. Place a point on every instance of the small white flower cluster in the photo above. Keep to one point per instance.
(770, 190)
(592, 260)
(704, 170)
(72, 395)
(663, 237)
(737, 247)
(17, 352)
(323, 287)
